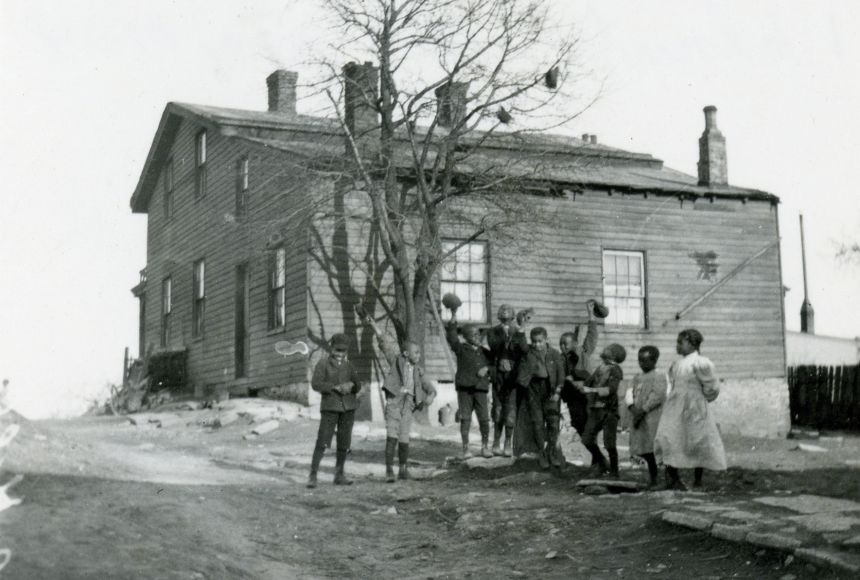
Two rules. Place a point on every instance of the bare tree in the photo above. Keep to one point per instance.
(451, 74)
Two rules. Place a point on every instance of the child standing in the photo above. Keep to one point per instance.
(406, 390)
(506, 344)
(541, 373)
(335, 378)
(601, 390)
(645, 402)
(472, 382)
(688, 435)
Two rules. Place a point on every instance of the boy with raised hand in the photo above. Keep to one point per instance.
(406, 390)
(472, 381)
(541, 373)
(337, 381)
(601, 390)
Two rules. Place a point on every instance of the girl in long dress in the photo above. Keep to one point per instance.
(687, 436)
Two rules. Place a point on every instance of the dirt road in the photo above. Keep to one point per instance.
(107, 499)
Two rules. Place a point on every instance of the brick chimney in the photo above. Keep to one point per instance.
(361, 87)
(282, 91)
(451, 103)
(713, 168)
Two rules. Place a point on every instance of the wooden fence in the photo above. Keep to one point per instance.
(825, 397)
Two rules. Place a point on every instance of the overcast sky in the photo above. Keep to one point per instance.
(83, 85)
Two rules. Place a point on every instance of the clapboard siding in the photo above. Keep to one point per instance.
(561, 266)
(207, 228)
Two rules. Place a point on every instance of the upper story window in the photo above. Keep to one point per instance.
(243, 178)
(166, 309)
(169, 184)
(278, 289)
(200, 165)
(464, 273)
(198, 308)
(624, 288)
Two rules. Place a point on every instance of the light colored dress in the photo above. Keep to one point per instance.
(687, 435)
(648, 393)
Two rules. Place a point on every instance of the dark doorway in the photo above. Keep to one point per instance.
(243, 335)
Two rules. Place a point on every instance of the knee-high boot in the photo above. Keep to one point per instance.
(403, 453)
(340, 462)
(390, 448)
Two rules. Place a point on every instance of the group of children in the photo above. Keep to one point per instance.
(529, 380)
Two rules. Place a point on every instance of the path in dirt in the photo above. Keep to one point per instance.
(106, 499)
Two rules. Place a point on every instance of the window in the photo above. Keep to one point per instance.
(168, 189)
(242, 181)
(198, 299)
(464, 273)
(624, 288)
(200, 168)
(166, 309)
(278, 289)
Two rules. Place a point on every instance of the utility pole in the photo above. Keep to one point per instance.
(807, 314)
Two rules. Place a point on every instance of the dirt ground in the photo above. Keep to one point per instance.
(170, 498)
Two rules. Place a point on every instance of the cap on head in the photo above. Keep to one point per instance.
(506, 312)
(339, 341)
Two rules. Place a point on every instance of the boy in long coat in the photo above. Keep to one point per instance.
(507, 343)
(406, 390)
(688, 435)
(645, 402)
(337, 381)
(541, 373)
(472, 382)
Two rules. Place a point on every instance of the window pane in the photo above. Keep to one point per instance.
(478, 271)
(609, 268)
(477, 252)
(201, 148)
(281, 268)
(462, 271)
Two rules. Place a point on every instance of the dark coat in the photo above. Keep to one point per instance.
(510, 347)
(470, 360)
(327, 375)
(607, 375)
(554, 368)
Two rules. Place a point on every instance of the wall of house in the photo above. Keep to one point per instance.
(556, 265)
(208, 228)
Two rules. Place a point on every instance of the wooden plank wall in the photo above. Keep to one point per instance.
(556, 265)
(825, 397)
(207, 228)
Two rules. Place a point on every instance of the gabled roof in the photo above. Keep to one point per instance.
(539, 156)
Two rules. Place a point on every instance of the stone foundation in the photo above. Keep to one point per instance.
(753, 408)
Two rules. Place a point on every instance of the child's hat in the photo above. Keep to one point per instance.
(339, 341)
(600, 309)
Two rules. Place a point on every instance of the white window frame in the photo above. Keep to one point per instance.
(199, 298)
(278, 289)
(626, 298)
(166, 309)
(466, 273)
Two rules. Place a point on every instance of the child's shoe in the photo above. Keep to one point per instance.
(542, 460)
(497, 449)
(466, 453)
(312, 480)
(485, 452)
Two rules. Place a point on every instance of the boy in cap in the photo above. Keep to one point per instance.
(472, 382)
(337, 381)
(601, 390)
(406, 390)
(541, 373)
(507, 343)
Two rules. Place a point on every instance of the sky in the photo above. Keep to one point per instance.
(83, 85)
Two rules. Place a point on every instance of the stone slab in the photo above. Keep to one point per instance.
(489, 462)
(826, 522)
(810, 504)
(840, 560)
(775, 541)
(731, 533)
(610, 484)
(741, 515)
(688, 520)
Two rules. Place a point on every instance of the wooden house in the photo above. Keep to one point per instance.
(253, 238)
